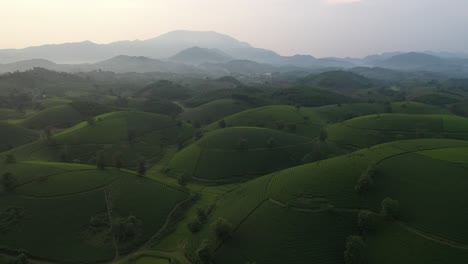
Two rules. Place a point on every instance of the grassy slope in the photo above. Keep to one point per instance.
(212, 111)
(110, 134)
(13, 135)
(217, 155)
(57, 116)
(61, 199)
(309, 120)
(304, 192)
(371, 130)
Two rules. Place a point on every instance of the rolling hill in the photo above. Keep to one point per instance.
(197, 55)
(237, 153)
(370, 130)
(14, 135)
(53, 210)
(306, 213)
(127, 136)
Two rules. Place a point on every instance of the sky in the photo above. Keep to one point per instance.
(321, 28)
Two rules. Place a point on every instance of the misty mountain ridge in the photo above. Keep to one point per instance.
(197, 52)
(197, 55)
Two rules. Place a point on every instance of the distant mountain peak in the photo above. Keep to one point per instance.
(197, 55)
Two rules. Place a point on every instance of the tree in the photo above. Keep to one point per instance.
(271, 143)
(118, 163)
(201, 215)
(366, 221)
(183, 179)
(222, 229)
(131, 134)
(48, 133)
(390, 208)
(205, 251)
(100, 161)
(222, 123)
(142, 167)
(198, 134)
(243, 144)
(323, 135)
(366, 179)
(22, 258)
(10, 158)
(91, 121)
(194, 226)
(292, 128)
(8, 181)
(354, 250)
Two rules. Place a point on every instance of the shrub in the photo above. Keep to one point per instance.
(222, 229)
(366, 179)
(323, 135)
(201, 215)
(100, 161)
(194, 226)
(243, 144)
(366, 221)
(205, 251)
(142, 167)
(222, 123)
(8, 181)
(271, 143)
(390, 208)
(22, 258)
(10, 158)
(355, 250)
(292, 127)
(91, 121)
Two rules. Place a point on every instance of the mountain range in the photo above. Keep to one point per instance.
(197, 52)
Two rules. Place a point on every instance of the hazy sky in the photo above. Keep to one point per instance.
(317, 27)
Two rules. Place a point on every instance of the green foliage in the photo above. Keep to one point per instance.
(205, 252)
(222, 123)
(126, 229)
(390, 208)
(367, 221)
(243, 144)
(141, 167)
(366, 179)
(323, 136)
(222, 229)
(8, 181)
(355, 250)
(100, 161)
(10, 158)
(22, 258)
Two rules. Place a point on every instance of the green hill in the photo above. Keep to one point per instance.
(212, 111)
(341, 81)
(128, 136)
(54, 210)
(13, 136)
(308, 121)
(374, 129)
(304, 214)
(6, 114)
(236, 153)
(65, 115)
